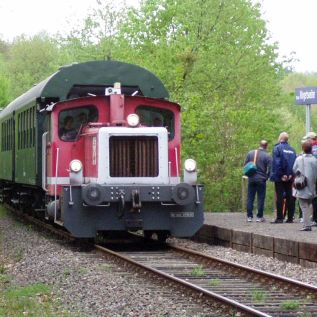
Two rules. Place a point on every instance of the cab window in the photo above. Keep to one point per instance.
(157, 117)
(71, 121)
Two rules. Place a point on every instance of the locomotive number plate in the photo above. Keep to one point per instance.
(185, 214)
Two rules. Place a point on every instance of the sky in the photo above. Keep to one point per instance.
(291, 23)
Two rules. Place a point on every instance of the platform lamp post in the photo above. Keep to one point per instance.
(306, 96)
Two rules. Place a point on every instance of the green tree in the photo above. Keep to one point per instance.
(97, 39)
(215, 60)
(30, 60)
(4, 84)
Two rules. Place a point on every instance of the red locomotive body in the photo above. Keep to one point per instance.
(84, 146)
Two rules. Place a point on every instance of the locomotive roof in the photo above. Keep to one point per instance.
(58, 86)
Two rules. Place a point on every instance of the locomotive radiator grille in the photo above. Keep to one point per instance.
(135, 156)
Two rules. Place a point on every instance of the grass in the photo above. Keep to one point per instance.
(2, 268)
(258, 295)
(197, 271)
(305, 314)
(67, 272)
(3, 213)
(4, 278)
(33, 300)
(214, 282)
(105, 267)
(18, 255)
(290, 304)
(83, 270)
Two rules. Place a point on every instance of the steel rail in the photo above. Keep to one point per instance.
(211, 295)
(291, 282)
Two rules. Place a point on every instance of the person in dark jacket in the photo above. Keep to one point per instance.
(282, 175)
(257, 182)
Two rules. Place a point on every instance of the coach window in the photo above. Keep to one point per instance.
(2, 136)
(32, 126)
(20, 131)
(3, 130)
(157, 117)
(24, 129)
(71, 121)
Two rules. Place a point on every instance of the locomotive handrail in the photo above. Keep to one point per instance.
(167, 204)
(55, 186)
(106, 205)
(176, 162)
(44, 144)
(197, 196)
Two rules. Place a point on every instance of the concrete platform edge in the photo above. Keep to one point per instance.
(301, 253)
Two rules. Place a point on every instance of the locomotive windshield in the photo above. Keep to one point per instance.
(157, 117)
(70, 121)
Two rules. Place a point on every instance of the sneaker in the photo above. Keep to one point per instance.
(314, 223)
(305, 229)
(249, 219)
(277, 221)
(260, 219)
(289, 221)
(301, 220)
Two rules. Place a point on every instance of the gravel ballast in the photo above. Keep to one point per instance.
(89, 285)
(85, 283)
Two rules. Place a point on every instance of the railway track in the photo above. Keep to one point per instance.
(240, 291)
(233, 289)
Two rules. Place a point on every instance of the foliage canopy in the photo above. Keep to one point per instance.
(212, 55)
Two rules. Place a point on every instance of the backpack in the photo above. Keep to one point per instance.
(250, 168)
(300, 180)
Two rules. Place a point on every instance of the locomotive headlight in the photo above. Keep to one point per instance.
(133, 120)
(190, 165)
(75, 166)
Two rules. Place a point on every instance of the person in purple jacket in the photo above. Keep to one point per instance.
(282, 175)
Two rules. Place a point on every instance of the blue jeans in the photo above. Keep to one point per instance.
(260, 189)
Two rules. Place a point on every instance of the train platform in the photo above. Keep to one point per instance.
(282, 241)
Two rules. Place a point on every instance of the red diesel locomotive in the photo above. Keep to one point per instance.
(96, 147)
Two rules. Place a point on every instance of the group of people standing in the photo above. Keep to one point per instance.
(283, 168)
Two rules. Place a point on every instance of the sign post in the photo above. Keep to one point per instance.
(306, 96)
(308, 118)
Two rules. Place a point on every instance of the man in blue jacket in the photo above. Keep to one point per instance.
(282, 175)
